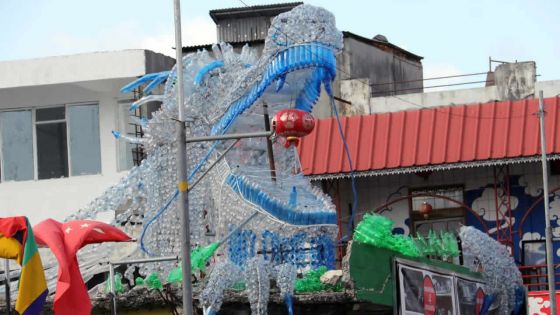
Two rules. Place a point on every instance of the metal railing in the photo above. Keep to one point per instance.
(535, 277)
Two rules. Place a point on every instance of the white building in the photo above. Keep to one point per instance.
(56, 116)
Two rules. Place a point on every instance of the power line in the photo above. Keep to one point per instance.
(394, 96)
(433, 78)
(432, 86)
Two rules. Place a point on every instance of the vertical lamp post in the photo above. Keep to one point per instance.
(548, 229)
(182, 184)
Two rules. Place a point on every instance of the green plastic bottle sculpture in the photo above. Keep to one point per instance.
(153, 282)
(377, 230)
(117, 283)
(311, 282)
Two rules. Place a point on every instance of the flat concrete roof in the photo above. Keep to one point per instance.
(82, 67)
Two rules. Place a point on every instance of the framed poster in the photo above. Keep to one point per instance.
(424, 292)
(470, 296)
(424, 289)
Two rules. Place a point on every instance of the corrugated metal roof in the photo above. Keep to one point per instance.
(194, 48)
(431, 137)
(255, 10)
(392, 47)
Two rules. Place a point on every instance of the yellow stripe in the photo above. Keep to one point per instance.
(183, 186)
(31, 283)
(10, 248)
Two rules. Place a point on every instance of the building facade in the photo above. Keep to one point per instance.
(56, 118)
(473, 155)
(365, 67)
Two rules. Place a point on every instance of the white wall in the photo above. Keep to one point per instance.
(375, 191)
(91, 77)
(57, 198)
(72, 68)
(430, 99)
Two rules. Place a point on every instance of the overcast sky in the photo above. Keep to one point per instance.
(454, 37)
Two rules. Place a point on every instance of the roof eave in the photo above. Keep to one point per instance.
(440, 167)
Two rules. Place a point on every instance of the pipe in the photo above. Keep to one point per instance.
(7, 283)
(112, 289)
(548, 229)
(231, 136)
(269, 144)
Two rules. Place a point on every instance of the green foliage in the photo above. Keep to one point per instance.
(311, 282)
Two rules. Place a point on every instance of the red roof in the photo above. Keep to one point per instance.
(432, 136)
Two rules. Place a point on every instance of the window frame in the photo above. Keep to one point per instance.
(415, 190)
(122, 121)
(437, 213)
(34, 124)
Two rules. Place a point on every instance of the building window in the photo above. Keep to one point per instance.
(52, 147)
(85, 150)
(125, 158)
(132, 154)
(16, 134)
(446, 215)
(52, 142)
(451, 192)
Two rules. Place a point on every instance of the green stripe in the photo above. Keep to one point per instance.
(30, 247)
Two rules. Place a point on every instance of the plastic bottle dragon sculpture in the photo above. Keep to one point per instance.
(290, 224)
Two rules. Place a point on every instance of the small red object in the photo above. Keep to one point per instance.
(430, 299)
(425, 209)
(292, 124)
(479, 300)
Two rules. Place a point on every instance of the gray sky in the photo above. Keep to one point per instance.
(454, 37)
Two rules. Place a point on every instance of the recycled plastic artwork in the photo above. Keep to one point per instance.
(377, 230)
(225, 91)
(500, 272)
(311, 282)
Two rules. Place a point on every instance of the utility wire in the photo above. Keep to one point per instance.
(433, 78)
(433, 86)
(399, 98)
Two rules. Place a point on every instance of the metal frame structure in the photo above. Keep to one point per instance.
(7, 284)
(502, 199)
(547, 230)
(129, 262)
(461, 204)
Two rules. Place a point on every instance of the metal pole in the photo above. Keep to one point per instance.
(142, 261)
(182, 184)
(7, 283)
(112, 289)
(269, 144)
(548, 230)
(258, 134)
